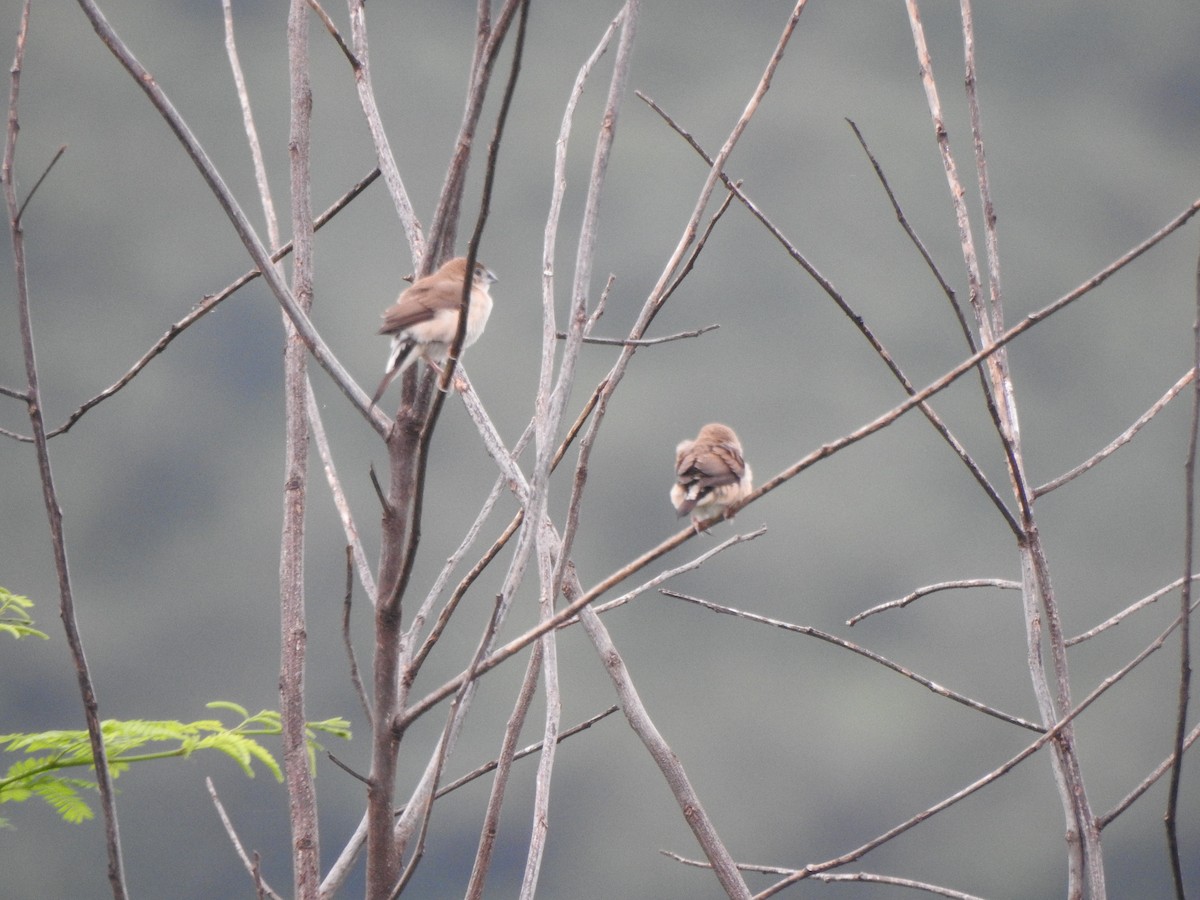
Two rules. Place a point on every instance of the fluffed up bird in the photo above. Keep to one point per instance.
(710, 473)
(424, 318)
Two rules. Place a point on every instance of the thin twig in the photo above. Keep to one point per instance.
(1121, 440)
(355, 675)
(861, 651)
(37, 184)
(933, 589)
(335, 34)
(256, 154)
(490, 36)
(1127, 611)
(385, 159)
(1146, 783)
(959, 314)
(914, 237)
(829, 877)
(678, 570)
(1185, 603)
(552, 399)
(250, 865)
(340, 501)
(642, 342)
(521, 754)
(66, 605)
(203, 308)
(485, 201)
(345, 767)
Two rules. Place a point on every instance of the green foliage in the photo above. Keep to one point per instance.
(14, 619)
(133, 741)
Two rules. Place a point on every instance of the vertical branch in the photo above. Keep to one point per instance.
(383, 149)
(408, 448)
(1084, 857)
(293, 638)
(33, 400)
(489, 36)
(668, 763)
(504, 761)
(256, 154)
(1185, 625)
(548, 646)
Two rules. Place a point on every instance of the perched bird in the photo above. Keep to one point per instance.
(424, 317)
(710, 473)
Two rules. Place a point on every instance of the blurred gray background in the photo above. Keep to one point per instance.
(171, 491)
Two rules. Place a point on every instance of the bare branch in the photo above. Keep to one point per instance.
(302, 799)
(528, 751)
(355, 676)
(66, 596)
(251, 865)
(250, 240)
(827, 877)
(857, 320)
(354, 540)
(386, 160)
(914, 238)
(37, 184)
(489, 38)
(861, 651)
(1051, 734)
(933, 589)
(203, 308)
(1121, 440)
(355, 63)
(1161, 769)
(668, 763)
(1123, 614)
(256, 154)
(1185, 615)
(678, 570)
(503, 766)
(642, 342)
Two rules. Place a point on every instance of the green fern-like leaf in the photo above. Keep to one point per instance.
(14, 619)
(134, 741)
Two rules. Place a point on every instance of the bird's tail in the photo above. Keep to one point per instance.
(399, 360)
(690, 499)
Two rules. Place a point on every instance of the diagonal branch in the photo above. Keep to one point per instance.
(857, 320)
(91, 705)
(1120, 440)
(1185, 603)
(233, 211)
(928, 589)
(861, 651)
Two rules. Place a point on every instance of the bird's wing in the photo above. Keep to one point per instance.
(420, 303)
(712, 466)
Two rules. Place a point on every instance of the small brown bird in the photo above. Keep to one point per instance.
(710, 473)
(424, 317)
